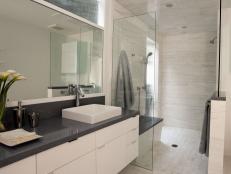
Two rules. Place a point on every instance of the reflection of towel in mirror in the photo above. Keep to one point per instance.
(124, 87)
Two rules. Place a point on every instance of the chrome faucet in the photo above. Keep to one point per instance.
(78, 92)
(20, 113)
(70, 89)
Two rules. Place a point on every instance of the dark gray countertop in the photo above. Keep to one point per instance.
(55, 131)
(146, 123)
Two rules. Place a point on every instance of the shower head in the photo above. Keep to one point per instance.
(145, 59)
(149, 54)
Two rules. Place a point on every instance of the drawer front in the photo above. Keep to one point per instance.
(132, 151)
(132, 123)
(112, 132)
(132, 145)
(27, 165)
(111, 157)
(56, 157)
(83, 165)
(132, 135)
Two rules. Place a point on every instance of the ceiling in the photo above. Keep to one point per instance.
(139, 7)
(184, 16)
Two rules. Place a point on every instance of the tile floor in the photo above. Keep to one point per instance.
(168, 160)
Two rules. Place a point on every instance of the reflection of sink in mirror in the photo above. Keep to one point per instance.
(91, 113)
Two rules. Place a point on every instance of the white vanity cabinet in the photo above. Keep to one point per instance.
(27, 165)
(57, 157)
(111, 156)
(83, 165)
(106, 151)
(117, 146)
(132, 145)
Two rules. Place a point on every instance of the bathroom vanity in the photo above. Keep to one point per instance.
(70, 146)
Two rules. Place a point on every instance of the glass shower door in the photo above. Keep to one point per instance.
(134, 40)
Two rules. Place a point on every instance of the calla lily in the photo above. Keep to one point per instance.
(21, 78)
(4, 75)
(11, 71)
(7, 79)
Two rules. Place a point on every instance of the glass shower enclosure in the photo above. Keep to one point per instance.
(135, 74)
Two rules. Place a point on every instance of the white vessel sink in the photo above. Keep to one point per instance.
(91, 113)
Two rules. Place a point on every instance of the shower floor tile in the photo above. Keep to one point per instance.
(185, 159)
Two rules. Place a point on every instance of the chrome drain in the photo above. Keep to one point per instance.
(174, 145)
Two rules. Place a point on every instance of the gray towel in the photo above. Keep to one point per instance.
(124, 87)
(204, 144)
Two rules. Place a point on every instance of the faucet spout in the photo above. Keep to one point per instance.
(79, 93)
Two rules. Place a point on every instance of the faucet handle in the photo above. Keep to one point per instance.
(34, 119)
(79, 90)
(19, 104)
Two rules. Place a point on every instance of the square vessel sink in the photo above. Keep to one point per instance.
(91, 113)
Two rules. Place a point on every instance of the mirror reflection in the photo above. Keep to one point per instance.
(44, 44)
(92, 10)
(226, 4)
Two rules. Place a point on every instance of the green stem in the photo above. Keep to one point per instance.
(2, 106)
(9, 84)
(2, 127)
(3, 87)
(1, 84)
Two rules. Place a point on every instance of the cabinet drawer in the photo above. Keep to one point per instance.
(132, 151)
(27, 165)
(56, 157)
(132, 123)
(83, 165)
(112, 132)
(132, 135)
(111, 157)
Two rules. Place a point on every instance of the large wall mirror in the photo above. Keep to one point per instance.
(51, 49)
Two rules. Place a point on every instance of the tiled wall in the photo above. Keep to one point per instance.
(187, 78)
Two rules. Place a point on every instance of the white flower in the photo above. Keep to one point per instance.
(21, 77)
(11, 71)
(4, 75)
(10, 75)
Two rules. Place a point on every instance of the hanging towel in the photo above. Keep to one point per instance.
(124, 96)
(204, 144)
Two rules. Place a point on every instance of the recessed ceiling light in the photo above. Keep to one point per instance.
(184, 27)
(169, 5)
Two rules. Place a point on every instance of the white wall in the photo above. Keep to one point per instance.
(107, 61)
(226, 73)
(226, 3)
(187, 78)
(26, 49)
